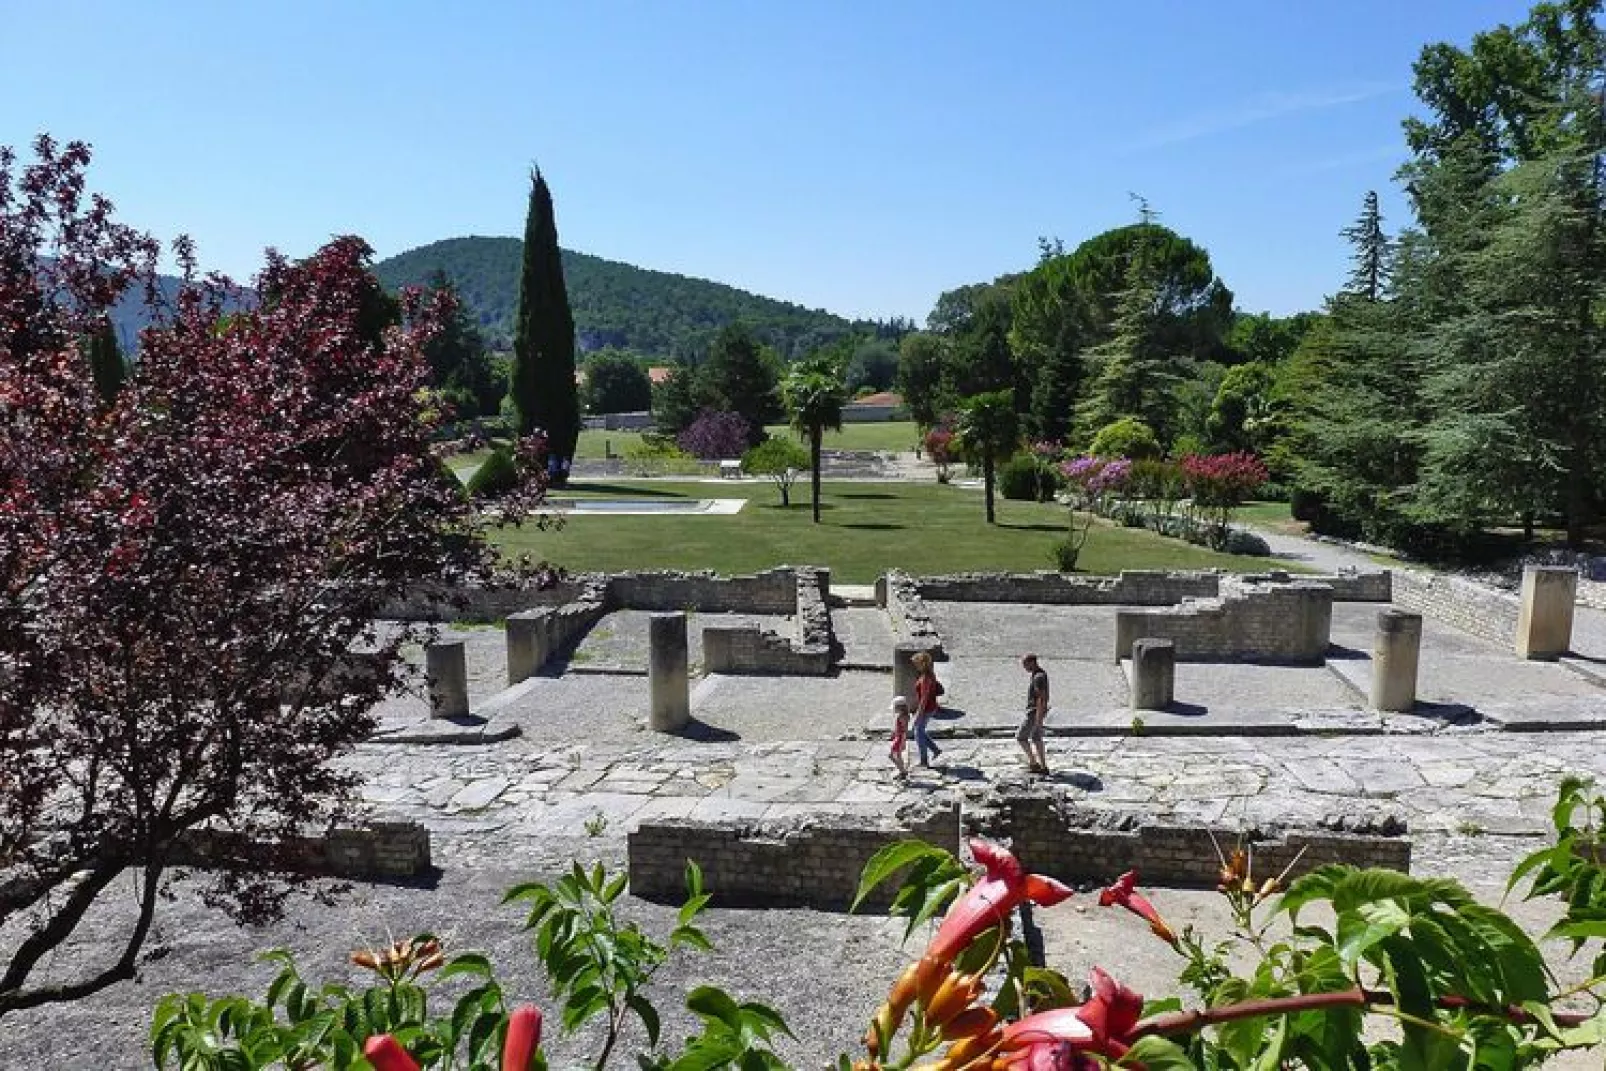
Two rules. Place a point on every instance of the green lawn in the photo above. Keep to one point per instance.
(889, 435)
(866, 529)
(1265, 514)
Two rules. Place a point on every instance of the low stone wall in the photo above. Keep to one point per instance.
(773, 591)
(1480, 611)
(899, 594)
(815, 862)
(1130, 588)
(748, 649)
(481, 605)
(813, 609)
(1348, 586)
(534, 636)
(1053, 838)
(379, 849)
(1265, 622)
(807, 653)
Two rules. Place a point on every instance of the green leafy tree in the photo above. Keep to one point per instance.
(543, 388)
(1241, 414)
(815, 395)
(460, 366)
(616, 383)
(874, 364)
(1128, 437)
(740, 377)
(921, 359)
(781, 460)
(679, 399)
(990, 431)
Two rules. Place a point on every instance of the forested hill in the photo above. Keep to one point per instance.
(654, 313)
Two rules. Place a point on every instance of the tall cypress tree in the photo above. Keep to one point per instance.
(543, 387)
(106, 361)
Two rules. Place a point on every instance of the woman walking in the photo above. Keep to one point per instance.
(927, 689)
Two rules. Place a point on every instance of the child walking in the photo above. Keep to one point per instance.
(900, 736)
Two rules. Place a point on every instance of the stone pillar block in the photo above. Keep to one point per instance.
(1545, 619)
(447, 668)
(1395, 651)
(666, 672)
(527, 649)
(903, 674)
(1154, 674)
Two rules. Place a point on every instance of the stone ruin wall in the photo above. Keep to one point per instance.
(807, 653)
(1477, 610)
(1129, 588)
(817, 861)
(378, 850)
(1250, 621)
(1055, 839)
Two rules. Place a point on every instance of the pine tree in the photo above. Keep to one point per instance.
(1133, 374)
(459, 363)
(106, 361)
(1370, 276)
(543, 388)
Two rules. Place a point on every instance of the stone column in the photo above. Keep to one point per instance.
(1154, 674)
(447, 669)
(666, 672)
(903, 674)
(526, 644)
(1395, 650)
(1545, 621)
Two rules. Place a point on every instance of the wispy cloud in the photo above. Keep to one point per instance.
(1259, 109)
(1381, 155)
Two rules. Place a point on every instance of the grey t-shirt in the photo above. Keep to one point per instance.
(1037, 686)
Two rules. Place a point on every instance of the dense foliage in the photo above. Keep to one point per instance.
(184, 572)
(616, 383)
(653, 313)
(1462, 381)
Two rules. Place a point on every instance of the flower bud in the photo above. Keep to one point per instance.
(954, 996)
(971, 1022)
(365, 959)
(930, 973)
(967, 1051)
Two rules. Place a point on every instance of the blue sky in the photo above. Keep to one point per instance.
(856, 156)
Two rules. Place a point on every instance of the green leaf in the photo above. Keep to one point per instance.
(891, 859)
(764, 1020)
(694, 879)
(711, 1002)
(467, 963)
(647, 1014)
(1158, 1054)
(1359, 930)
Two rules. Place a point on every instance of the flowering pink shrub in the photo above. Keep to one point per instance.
(1223, 481)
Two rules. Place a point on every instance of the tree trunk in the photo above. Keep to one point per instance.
(815, 435)
(1527, 526)
(987, 483)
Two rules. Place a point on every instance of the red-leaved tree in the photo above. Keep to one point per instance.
(184, 573)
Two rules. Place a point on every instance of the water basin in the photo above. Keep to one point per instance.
(628, 507)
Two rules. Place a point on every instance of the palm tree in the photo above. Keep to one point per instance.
(989, 429)
(815, 394)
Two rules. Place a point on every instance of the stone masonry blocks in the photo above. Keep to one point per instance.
(1396, 650)
(666, 670)
(1251, 620)
(1545, 611)
(447, 669)
(1154, 674)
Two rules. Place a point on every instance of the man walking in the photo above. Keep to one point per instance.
(1030, 734)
